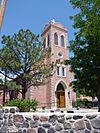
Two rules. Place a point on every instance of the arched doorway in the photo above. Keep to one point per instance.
(60, 96)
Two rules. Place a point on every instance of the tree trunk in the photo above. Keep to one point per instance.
(5, 80)
(11, 95)
(24, 89)
(23, 93)
(3, 97)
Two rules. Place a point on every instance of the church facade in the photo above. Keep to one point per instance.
(56, 93)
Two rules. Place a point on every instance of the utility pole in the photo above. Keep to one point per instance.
(2, 10)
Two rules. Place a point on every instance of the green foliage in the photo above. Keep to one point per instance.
(1, 81)
(82, 103)
(23, 56)
(86, 47)
(11, 85)
(24, 105)
(78, 94)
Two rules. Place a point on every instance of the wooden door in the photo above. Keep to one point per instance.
(60, 99)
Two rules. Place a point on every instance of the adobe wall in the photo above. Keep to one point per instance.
(11, 121)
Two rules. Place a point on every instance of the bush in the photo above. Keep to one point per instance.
(24, 105)
(82, 103)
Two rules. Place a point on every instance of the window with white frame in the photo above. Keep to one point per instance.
(63, 71)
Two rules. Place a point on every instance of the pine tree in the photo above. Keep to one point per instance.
(25, 59)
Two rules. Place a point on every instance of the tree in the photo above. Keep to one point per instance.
(3, 86)
(25, 59)
(13, 88)
(86, 47)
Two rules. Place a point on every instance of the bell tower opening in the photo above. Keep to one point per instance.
(60, 96)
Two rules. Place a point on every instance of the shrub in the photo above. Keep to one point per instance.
(24, 105)
(82, 103)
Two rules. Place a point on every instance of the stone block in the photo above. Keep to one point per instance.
(18, 118)
(46, 125)
(24, 131)
(34, 124)
(53, 118)
(58, 127)
(79, 125)
(10, 122)
(91, 116)
(4, 129)
(6, 110)
(88, 125)
(75, 117)
(41, 130)
(64, 131)
(35, 117)
(12, 110)
(95, 123)
(51, 130)
(25, 124)
(1, 116)
(6, 116)
(29, 118)
(67, 125)
(87, 131)
(61, 120)
(30, 130)
(43, 118)
(20, 131)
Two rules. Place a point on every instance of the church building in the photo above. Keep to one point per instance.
(56, 93)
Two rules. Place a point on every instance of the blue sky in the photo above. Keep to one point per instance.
(34, 14)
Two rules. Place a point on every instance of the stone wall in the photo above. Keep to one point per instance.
(12, 121)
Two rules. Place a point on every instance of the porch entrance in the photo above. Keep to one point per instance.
(60, 96)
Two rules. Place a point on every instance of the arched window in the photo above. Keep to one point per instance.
(44, 43)
(62, 41)
(48, 40)
(56, 39)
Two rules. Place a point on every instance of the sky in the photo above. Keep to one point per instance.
(34, 14)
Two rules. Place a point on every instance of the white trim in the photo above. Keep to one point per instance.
(63, 66)
(66, 90)
(58, 65)
(46, 42)
(61, 55)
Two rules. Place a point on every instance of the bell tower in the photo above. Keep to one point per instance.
(55, 36)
